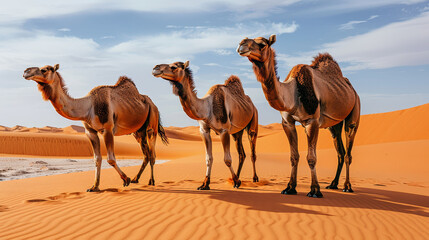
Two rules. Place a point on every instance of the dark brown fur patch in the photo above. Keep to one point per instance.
(47, 91)
(219, 110)
(178, 88)
(101, 107)
(304, 80)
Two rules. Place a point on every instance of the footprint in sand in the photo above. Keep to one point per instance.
(3, 208)
(62, 196)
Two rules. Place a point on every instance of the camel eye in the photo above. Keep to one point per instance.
(43, 70)
(262, 45)
(173, 68)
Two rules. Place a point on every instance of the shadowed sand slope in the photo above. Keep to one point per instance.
(388, 174)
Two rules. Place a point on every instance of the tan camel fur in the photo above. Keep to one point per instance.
(317, 96)
(108, 110)
(225, 109)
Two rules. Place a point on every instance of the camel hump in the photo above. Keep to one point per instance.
(123, 80)
(325, 63)
(233, 84)
(304, 82)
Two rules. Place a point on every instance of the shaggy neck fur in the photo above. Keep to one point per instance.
(66, 106)
(192, 105)
(266, 74)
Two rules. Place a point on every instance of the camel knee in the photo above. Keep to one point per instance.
(294, 159)
(228, 162)
(348, 159)
(209, 160)
(111, 162)
(311, 163)
(97, 160)
(253, 158)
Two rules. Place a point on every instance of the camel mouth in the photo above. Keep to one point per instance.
(244, 54)
(243, 50)
(163, 76)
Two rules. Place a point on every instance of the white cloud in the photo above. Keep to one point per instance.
(397, 44)
(351, 24)
(85, 64)
(212, 64)
(189, 41)
(64, 30)
(18, 11)
(223, 52)
(352, 5)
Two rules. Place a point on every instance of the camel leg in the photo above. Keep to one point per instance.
(224, 136)
(141, 139)
(338, 142)
(238, 138)
(312, 131)
(351, 126)
(95, 142)
(205, 134)
(111, 159)
(290, 130)
(252, 134)
(151, 142)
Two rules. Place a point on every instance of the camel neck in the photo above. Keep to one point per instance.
(66, 106)
(193, 106)
(279, 95)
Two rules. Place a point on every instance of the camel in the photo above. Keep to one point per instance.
(108, 110)
(317, 96)
(225, 109)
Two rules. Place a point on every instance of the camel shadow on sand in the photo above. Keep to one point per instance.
(269, 201)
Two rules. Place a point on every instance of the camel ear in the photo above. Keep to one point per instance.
(272, 39)
(186, 64)
(56, 67)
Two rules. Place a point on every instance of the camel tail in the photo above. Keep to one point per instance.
(161, 131)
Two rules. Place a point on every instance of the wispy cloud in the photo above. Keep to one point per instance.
(352, 24)
(64, 30)
(190, 41)
(14, 13)
(332, 6)
(396, 44)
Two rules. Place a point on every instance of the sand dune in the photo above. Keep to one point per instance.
(389, 176)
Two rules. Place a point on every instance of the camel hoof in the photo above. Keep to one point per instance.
(350, 190)
(151, 182)
(237, 184)
(317, 194)
(93, 189)
(332, 187)
(126, 181)
(135, 180)
(203, 187)
(289, 191)
(255, 179)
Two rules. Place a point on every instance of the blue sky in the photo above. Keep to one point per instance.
(382, 47)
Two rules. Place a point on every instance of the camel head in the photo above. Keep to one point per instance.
(255, 49)
(174, 72)
(43, 75)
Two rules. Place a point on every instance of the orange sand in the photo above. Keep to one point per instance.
(389, 176)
